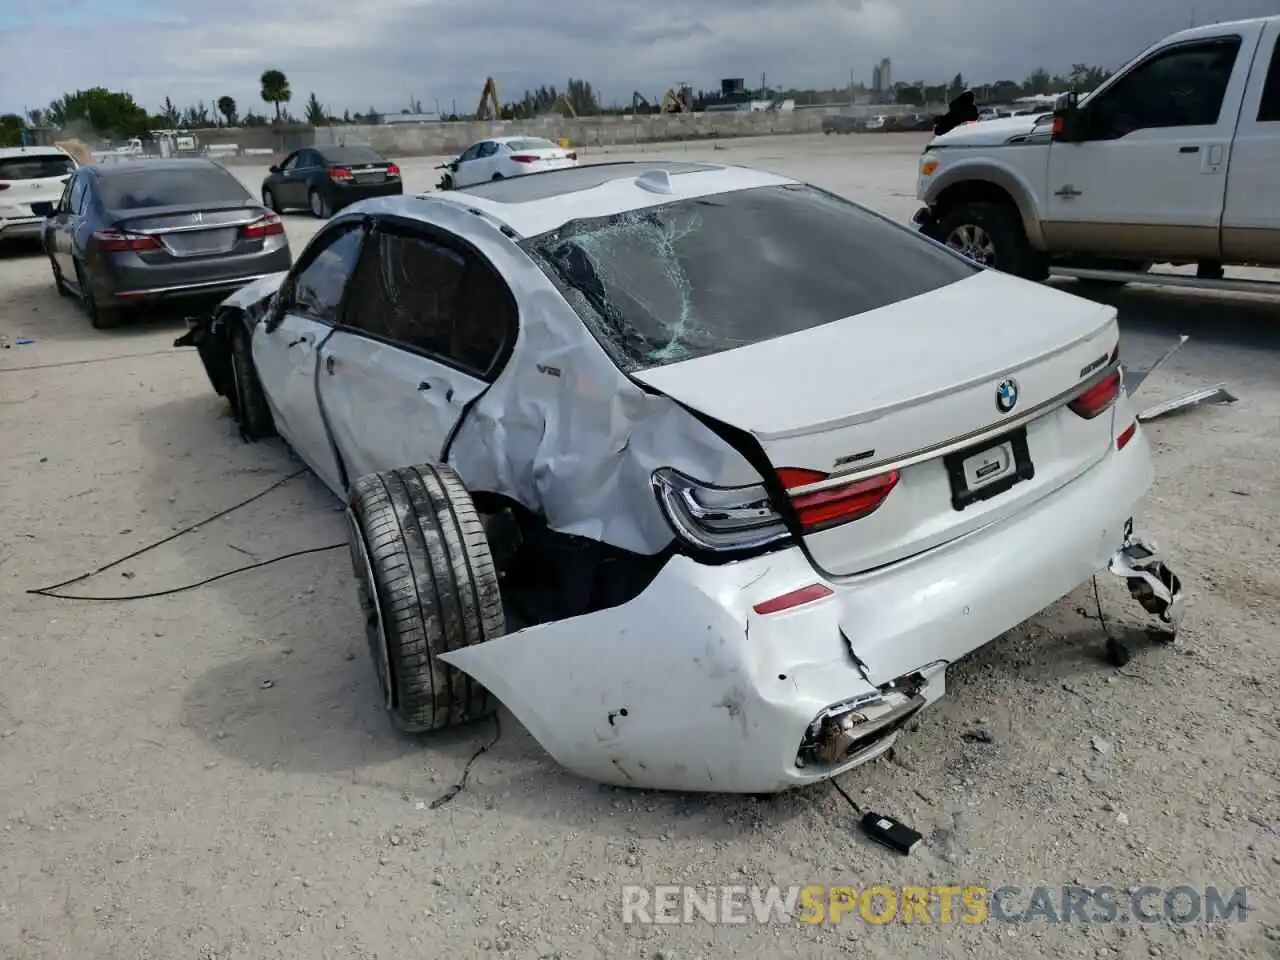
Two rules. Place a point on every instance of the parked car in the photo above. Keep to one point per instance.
(690, 466)
(327, 179)
(142, 231)
(840, 123)
(876, 124)
(31, 181)
(504, 157)
(1173, 159)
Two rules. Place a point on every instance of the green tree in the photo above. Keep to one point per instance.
(275, 89)
(172, 116)
(11, 127)
(958, 86)
(909, 96)
(315, 114)
(227, 107)
(106, 113)
(1038, 83)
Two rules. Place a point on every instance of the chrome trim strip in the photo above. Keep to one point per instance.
(959, 443)
(193, 227)
(184, 287)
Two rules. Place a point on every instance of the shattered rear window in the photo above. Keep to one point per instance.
(698, 277)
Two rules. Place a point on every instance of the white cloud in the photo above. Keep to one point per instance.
(360, 53)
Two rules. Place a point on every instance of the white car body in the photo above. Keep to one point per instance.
(876, 123)
(31, 182)
(841, 567)
(503, 157)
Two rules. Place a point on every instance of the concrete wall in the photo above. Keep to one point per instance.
(435, 139)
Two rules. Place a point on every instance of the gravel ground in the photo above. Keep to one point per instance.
(209, 774)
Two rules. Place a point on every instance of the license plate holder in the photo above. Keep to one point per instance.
(987, 470)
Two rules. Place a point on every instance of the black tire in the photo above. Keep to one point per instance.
(248, 402)
(1008, 250)
(270, 202)
(319, 204)
(58, 283)
(101, 317)
(497, 176)
(427, 585)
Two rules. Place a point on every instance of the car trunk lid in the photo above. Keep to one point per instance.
(190, 230)
(902, 400)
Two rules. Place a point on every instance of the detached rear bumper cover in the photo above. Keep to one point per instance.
(688, 688)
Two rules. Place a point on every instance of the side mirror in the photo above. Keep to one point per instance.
(274, 168)
(1069, 123)
(454, 166)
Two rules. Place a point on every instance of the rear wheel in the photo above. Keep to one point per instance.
(427, 585)
(991, 234)
(319, 204)
(496, 176)
(247, 398)
(101, 316)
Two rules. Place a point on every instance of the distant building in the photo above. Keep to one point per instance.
(882, 77)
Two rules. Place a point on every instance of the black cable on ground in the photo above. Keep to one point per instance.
(51, 591)
(461, 785)
(844, 793)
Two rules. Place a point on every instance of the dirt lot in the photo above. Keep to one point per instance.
(209, 774)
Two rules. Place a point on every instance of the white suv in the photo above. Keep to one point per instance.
(31, 182)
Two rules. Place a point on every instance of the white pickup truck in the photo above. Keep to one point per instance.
(1175, 159)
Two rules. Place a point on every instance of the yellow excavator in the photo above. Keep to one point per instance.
(489, 97)
(563, 103)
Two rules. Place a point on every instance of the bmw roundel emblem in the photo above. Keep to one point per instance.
(1007, 395)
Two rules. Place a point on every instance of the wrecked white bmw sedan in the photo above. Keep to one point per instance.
(706, 474)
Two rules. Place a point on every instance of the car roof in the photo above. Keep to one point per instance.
(6, 152)
(134, 164)
(538, 202)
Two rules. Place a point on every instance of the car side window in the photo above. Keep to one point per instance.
(1269, 109)
(1181, 87)
(430, 297)
(470, 153)
(316, 289)
(488, 148)
(290, 164)
(64, 202)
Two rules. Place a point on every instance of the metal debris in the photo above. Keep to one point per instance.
(1134, 379)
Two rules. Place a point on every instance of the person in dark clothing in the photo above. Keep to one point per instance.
(963, 109)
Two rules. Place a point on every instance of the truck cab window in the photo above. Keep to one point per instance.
(1181, 87)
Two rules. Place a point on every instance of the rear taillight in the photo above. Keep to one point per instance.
(718, 519)
(393, 170)
(524, 158)
(268, 226)
(796, 598)
(833, 505)
(341, 174)
(117, 241)
(1099, 398)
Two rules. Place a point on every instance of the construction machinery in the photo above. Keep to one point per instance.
(640, 103)
(563, 103)
(489, 102)
(678, 100)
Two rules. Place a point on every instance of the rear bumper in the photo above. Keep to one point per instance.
(344, 194)
(125, 279)
(24, 227)
(688, 688)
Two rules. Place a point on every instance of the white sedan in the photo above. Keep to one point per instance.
(706, 474)
(504, 157)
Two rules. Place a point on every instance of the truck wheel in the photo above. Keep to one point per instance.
(247, 399)
(427, 585)
(991, 234)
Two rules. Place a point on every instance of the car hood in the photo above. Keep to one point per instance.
(254, 292)
(982, 133)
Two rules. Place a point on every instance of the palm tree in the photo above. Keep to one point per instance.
(275, 89)
(227, 107)
(315, 112)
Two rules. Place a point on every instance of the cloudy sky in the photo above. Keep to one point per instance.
(360, 53)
